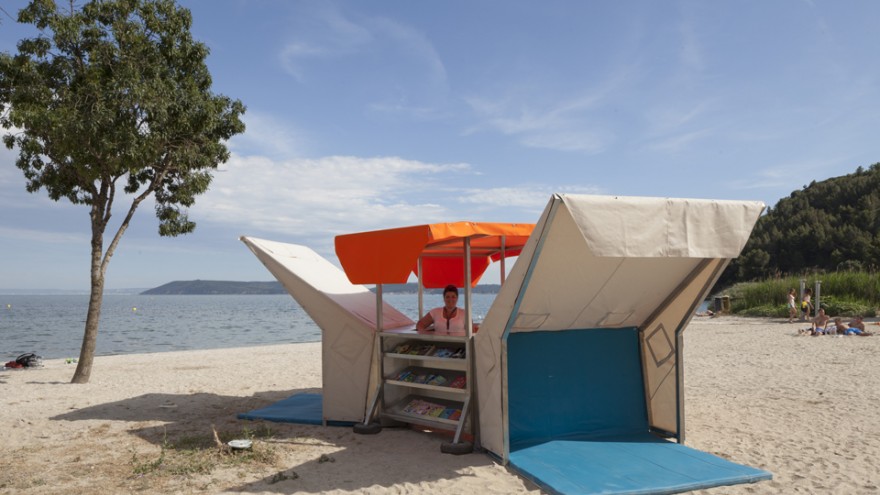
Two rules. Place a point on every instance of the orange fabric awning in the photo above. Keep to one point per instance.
(389, 256)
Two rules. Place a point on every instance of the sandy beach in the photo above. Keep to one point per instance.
(803, 408)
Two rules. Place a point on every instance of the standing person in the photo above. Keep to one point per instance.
(792, 306)
(806, 304)
(448, 318)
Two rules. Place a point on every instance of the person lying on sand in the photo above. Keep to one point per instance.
(857, 322)
(857, 332)
(836, 327)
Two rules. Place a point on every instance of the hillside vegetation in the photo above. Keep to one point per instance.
(845, 293)
(827, 226)
(827, 232)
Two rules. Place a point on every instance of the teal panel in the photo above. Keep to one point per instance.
(574, 384)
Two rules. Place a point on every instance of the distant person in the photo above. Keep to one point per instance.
(857, 327)
(836, 327)
(817, 327)
(820, 322)
(806, 304)
(448, 318)
(857, 322)
(857, 332)
(792, 305)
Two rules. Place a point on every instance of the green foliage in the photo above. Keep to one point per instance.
(116, 93)
(844, 293)
(842, 307)
(833, 225)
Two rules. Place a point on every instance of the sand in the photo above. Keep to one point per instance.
(803, 408)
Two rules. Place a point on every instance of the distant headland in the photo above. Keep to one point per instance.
(209, 287)
(225, 287)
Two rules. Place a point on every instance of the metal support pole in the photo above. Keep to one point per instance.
(421, 289)
(818, 297)
(803, 284)
(503, 258)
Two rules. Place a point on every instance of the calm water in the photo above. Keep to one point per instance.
(53, 325)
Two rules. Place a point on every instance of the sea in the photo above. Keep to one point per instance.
(52, 326)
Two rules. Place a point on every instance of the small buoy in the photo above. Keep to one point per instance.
(134, 309)
(8, 306)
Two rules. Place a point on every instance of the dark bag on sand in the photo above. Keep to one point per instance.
(29, 360)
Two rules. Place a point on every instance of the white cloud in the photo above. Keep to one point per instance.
(325, 34)
(331, 194)
(314, 199)
(789, 176)
(542, 121)
(526, 197)
(393, 62)
(396, 68)
(679, 142)
(42, 236)
(293, 54)
(266, 135)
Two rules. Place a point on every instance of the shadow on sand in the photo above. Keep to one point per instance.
(355, 462)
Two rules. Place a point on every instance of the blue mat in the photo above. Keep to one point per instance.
(578, 420)
(300, 408)
(637, 464)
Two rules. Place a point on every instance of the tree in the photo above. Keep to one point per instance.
(115, 94)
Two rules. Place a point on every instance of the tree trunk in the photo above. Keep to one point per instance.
(96, 298)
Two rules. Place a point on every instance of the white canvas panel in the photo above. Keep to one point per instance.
(660, 373)
(572, 288)
(346, 314)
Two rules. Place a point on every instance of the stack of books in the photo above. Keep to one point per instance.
(425, 349)
(420, 407)
(420, 375)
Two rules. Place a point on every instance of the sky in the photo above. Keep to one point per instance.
(372, 115)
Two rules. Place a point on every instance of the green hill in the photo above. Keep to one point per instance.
(826, 226)
(207, 287)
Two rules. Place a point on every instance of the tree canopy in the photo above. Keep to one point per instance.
(826, 226)
(118, 89)
(115, 94)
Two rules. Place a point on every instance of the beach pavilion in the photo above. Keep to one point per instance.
(579, 359)
(578, 366)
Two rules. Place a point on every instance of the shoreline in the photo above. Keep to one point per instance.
(755, 393)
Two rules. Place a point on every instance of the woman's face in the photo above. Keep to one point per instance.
(450, 299)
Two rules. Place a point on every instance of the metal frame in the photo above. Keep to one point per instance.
(505, 413)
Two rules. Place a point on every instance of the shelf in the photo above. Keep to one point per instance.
(429, 336)
(397, 412)
(453, 363)
(404, 350)
(425, 386)
(448, 375)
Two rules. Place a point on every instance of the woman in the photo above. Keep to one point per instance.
(806, 304)
(792, 307)
(447, 318)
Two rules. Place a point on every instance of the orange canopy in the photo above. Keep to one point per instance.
(389, 256)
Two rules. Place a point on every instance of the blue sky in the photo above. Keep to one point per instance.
(368, 115)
